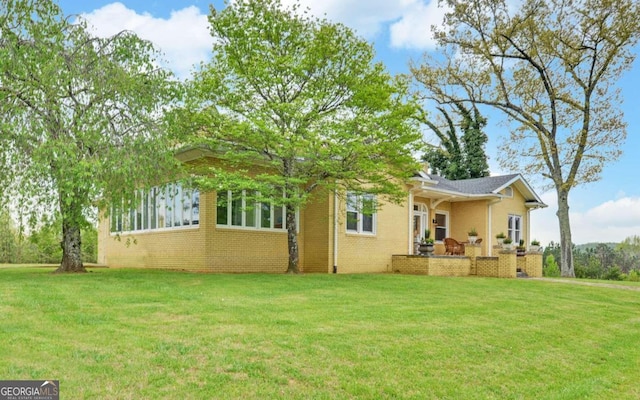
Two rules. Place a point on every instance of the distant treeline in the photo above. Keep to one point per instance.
(42, 244)
(612, 261)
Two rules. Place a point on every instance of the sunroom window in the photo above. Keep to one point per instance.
(239, 209)
(159, 207)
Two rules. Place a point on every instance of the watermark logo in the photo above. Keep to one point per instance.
(29, 390)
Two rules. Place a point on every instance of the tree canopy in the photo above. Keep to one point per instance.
(458, 157)
(303, 99)
(80, 117)
(549, 66)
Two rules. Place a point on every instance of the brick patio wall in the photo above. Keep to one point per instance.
(502, 266)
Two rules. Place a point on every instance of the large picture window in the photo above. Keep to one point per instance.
(515, 228)
(237, 209)
(160, 207)
(361, 215)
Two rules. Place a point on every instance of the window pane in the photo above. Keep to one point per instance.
(168, 206)
(131, 221)
(352, 202)
(368, 207)
(367, 223)
(186, 207)
(250, 209)
(265, 215)
(162, 207)
(352, 220)
(278, 217)
(145, 210)
(195, 207)
(177, 205)
(236, 210)
(153, 205)
(441, 226)
(222, 207)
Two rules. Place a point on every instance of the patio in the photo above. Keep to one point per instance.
(505, 265)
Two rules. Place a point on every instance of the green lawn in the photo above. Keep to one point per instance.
(130, 334)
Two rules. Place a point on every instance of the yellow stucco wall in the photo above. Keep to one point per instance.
(174, 248)
(318, 234)
(359, 253)
(500, 213)
(467, 215)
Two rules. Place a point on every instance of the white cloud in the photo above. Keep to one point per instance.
(611, 221)
(183, 38)
(366, 17)
(409, 21)
(413, 30)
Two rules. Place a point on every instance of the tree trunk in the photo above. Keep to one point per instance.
(71, 243)
(292, 240)
(566, 245)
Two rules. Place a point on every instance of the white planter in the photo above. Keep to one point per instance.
(472, 239)
(533, 248)
(500, 240)
(507, 246)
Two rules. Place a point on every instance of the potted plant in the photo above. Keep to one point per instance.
(535, 245)
(520, 249)
(426, 246)
(506, 243)
(472, 235)
(500, 238)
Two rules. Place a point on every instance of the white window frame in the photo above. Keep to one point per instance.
(508, 191)
(421, 211)
(354, 205)
(152, 207)
(446, 224)
(513, 232)
(257, 211)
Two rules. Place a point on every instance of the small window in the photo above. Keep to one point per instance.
(361, 215)
(508, 191)
(440, 226)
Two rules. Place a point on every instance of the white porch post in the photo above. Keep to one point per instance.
(410, 232)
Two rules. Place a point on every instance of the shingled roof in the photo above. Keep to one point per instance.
(486, 185)
(480, 187)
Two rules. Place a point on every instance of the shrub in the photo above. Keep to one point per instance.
(634, 275)
(613, 274)
(550, 268)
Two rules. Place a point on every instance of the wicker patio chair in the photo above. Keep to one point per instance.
(453, 247)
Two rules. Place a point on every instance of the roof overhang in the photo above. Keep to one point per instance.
(429, 188)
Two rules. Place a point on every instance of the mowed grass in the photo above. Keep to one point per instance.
(132, 334)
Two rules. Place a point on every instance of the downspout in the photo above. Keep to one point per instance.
(528, 240)
(335, 231)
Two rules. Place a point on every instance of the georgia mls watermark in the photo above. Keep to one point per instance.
(29, 390)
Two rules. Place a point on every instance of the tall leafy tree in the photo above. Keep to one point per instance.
(458, 157)
(549, 67)
(8, 238)
(302, 99)
(80, 116)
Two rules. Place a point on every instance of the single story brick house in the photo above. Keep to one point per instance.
(178, 228)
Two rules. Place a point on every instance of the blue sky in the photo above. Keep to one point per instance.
(608, 210)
